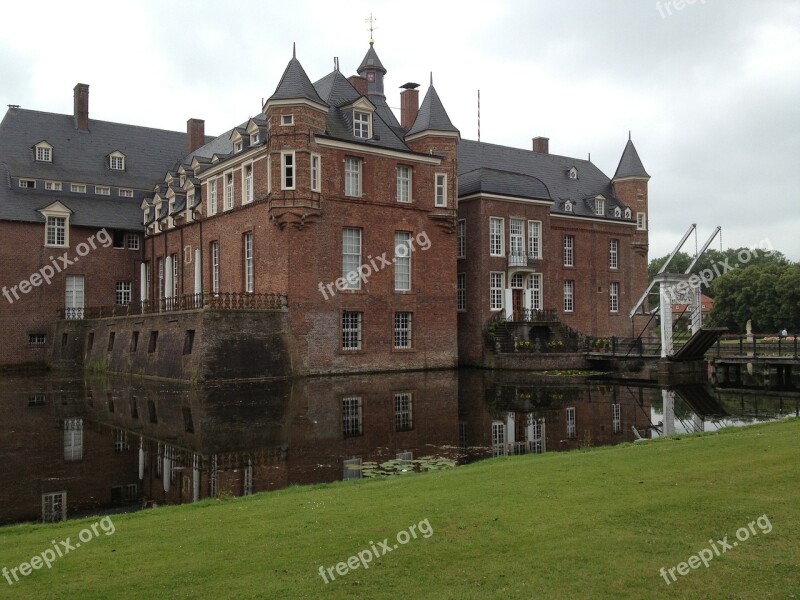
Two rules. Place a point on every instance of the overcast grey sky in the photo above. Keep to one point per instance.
(710, 90)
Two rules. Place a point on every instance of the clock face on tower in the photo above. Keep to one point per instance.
(370, 76)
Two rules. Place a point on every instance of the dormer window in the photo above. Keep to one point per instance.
(116, 161)
(287, 119)
(568, 206)
(617, 212)
(627, 213)
(572, 173)
(237, 147)
(255, 138)
(27, 183)
(362, 124)
(56, 229)
(44, 152)
(599, 207)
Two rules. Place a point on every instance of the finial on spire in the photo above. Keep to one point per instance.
(371, 21)
(629, 135)
(431, 78)
(294, 50)
(335, 63)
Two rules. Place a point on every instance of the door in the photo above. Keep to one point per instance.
(516, 301)
(73, 300)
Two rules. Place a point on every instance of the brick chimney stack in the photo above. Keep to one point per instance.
(81, 106)
(359, 83)
(195, 134)
(409, 104)
(541, 145)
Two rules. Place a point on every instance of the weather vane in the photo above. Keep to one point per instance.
(371, 20)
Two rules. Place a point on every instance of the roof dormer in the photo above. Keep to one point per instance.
(572, 173)
(43, 152)
(361, 116)
(568, 206)
(116, 161)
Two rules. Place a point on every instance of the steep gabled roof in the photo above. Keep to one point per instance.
(432, 115)
(371, 61)
(295, 85)
(630, 165)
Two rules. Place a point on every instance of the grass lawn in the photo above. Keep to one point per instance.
(588, 524)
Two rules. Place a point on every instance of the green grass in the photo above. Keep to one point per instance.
(586, 524)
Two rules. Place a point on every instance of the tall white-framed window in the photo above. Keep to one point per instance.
(535, 283)
(351, 330)
(440, 194)
(352, 176)
(516, 244)
(499, 438)
(351, 257)
(496, 285)
(316, 173)
(248, 184)
(616, 418)
(269, 174)
(133, 241)
(362, 124)
(569, 250)
(247, 487)
(403, 183)
(215, 267)
(74, 296)
(352, 417)
(175, 278)
(116, 161)
(123, 294)
(496, 239)
(599, 207)
(402, 330)
(402, 261)
(54, 507)
(613, 296)
(403, 411)
(147, 278)
(229, 191)
(570, 413)
(248, 262)
(461, 238)
(569, 295)
(212, 197)
(160, 277)
(287, 170)
(641, 221)
(44, 152)
(73, 440)
(461, 292)
(56, 232)
(535, 239)
(613, 254)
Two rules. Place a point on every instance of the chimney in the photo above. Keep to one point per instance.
(359, 83)
(195, 134)
(409, 104)
(81, 106)
(541, 145)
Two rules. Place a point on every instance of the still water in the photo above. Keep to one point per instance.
(72, 444)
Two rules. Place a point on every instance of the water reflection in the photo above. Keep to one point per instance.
(73, 444)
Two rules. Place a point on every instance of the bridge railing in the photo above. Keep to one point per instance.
(756, 345)
(623, 346)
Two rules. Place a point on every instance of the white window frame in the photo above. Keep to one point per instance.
(461, 292)
(316, 172)
(212, 197)
(125, 193)
(641, 221)
(616, 418)
(497, 236)
(599, 207)
(55, 224)
(535, 283)
(53, 186)
(249, 271)
(535, 239)
(28, 184)
(352, 418)
(74, 295)
(613, 296)
(351, 330)
(215, 267)
(77, 188)
(255, 138)
(161, 279)
(116, 161)
(613, 254)
(44, 153)
(73, 440)
(403, 339)
(461, 238)
(362, 124)
(570, 417)
(175, 278)
(102, 190)
(247, 183)
(569, 295)
(353, 167)
(123, 293)
(568, 206)
(49, 502)
(516, 240)
(238, 145)
(404, 175)
(496, 290)
(287, 119)
(351, 256)
(402, 261)
(288, 170)
(569, 250)
(440, 190)
(229, 200)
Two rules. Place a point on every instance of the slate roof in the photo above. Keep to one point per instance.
(494, 181)
(630, 165)
(295, 84)
(432, 115)
(371, 61)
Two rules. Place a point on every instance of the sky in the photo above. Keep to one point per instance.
(709, 89)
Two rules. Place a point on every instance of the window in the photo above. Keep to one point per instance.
(54, 507)
(73, 296)
(44, 153)
(461, 292)
(571, 423)
(351, 330)
(403, 417)
(229, 191)
(77, 188)
(116, 162)
(440, 198)
(617, 211)
(569, 300)
(627, 213)
(499, 438)
(237, 147)
(613, 254)
(134, 341)
(616, 422)
(613, 296)
(53, 186)
(37, 400)
(125, 193)
(73, 439)
(175, 278)
(403, 184)
(248, 262)
(496, 243)
(287, 170)
(212, 197)
(496, 291)
(535, 284)
(248, 184)
(568, 206)
(569, 250)
(316, 173)
(352, 177)
(147, 280)
(461, 238)
(361, 124)
(152, 345)
(599, 207)
(123, 293)
(287, 119)
(102, 190)
(402, 261)
(351, 469)
(37, 339)
(56, 230)
(352, 418)
(641, 221)
(121, 441)
(535, 239)
(351, 257)
(515, 239)
(160, 277)
(573, 173)
(133, 241)
(215, 267)
(402, 330)
(255, 138)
